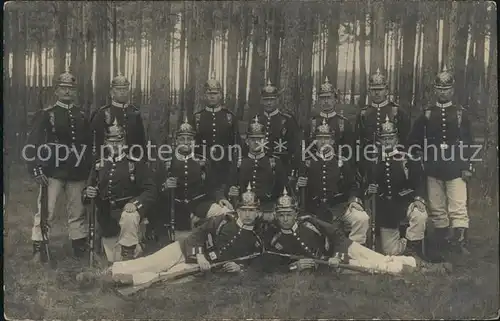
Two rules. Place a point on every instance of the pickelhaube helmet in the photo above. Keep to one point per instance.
(256, 129)
(323, 130)
(269, 91)
(186, 129)
(115, 132)
(285, 203)
(388, 129)
(444, 79)
(213, 85)
(377, 80)
(326, 89)
(66, 79)
(120, 81)
(249, 199)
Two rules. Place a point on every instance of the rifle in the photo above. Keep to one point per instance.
(324, 262)
(147, 279)
(92, 217)
(44, 212)
(373, 205)
(171, 226)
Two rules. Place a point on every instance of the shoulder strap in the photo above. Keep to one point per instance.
(310, 226)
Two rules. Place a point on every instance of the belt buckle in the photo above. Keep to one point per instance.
(324, 200)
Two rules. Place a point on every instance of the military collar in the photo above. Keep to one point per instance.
(183, 158)
(243, 226)
(119, 105)
(390, 154)
(63, 105)
(116, 159)
(256, 156)
(328, 115)
(326, 157)
(291, 230)
(271, 114)
(213, 110)
(382, 104)
(448, 104)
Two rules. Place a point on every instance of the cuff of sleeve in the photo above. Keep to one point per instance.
(140, 207)
(356, 200)
(37, 171)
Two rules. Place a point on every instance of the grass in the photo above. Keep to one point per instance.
(51, 293)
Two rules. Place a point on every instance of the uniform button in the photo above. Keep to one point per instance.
(324, 189)
(388, 181)
(302, 243)
(444, 137)
(307, 249)
(294, 234)
(388, 175)
(387, 164)
(186, 172)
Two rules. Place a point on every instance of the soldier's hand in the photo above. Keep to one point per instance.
(171, 182)
(42, 179)
(356, 206)
(419, 205)
(91, 192)
(466, 175)
(304, 264)
(202, 262)
(194, 219)
(302, 181)
(234, 191)
(231, 267)
(372, 189)
(226, 203)
(130, 208)
(334, 262)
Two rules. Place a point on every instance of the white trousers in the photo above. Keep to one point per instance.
(448, 202)
(359, 222)
(364, 257)
(393, 244)
(77, 223)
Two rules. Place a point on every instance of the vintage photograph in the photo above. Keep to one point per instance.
(267, 160)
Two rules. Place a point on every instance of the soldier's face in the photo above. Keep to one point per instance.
(213, 99)
(247, 216)
(444, 95)
(114, 148)
(67, 94)
(389, 142)
(269, 104)
(185, 144)
(378, 95)
(286, 219)
(120, 94)
(326, 102)
(256, 144)
(324, 144)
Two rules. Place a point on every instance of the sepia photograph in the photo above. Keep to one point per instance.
(263, 160)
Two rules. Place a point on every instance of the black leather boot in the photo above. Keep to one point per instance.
(460, 241)
(128, 252)
(79, 247)
(38, 256)
(438, 246)
(415, 249)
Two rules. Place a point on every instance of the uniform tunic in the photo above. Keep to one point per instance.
(61, 128)
(340, 125)
(221, 238)
(128, 117)
(121, 180)
(444, 126)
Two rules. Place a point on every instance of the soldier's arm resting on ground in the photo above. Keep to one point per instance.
(147, 186)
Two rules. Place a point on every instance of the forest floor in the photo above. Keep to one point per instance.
(470, 292)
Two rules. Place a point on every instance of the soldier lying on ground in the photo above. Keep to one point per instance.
(313, 238)
(221, 238)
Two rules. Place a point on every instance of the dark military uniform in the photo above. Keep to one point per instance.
(444, 134)
(122, 179)
(281, 132)
(127, 115)
(370, 119)
(341, 127)
(265, 174)
(216, 126)
(59, 137)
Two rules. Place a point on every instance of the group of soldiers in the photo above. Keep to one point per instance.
(314, 192)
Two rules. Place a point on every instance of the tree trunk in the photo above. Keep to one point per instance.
(200, 54)
(243, 72)
(138, 55)
(417, 77)
(362, 60)
(182, 69)
(449, 55)
(122, 47)
(258, 69)
(234, 38)
(377, 46)
(448, 16)
(397, 63)
(331, 65)
(89, 56)
(430, 54)
(274, 44)
(307, 56)
(290, 56)
(102, 53)
(61, 28)
(461, 51)
(353, 74)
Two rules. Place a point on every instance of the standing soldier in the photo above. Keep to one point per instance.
(370, 119)
(127, 115)
(396, 179)
(124, 191)
(444, 134)
(332, 186)
(191, 181)
(265, 174)
(60, 134)
(340, 125)
(216, 130)
(281, 130)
